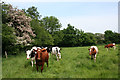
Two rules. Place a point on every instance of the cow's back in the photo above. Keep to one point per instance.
(45, 56)
(110, 45)
(54, 50)
(95, 48)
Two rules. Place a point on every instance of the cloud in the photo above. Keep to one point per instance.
(94, 24)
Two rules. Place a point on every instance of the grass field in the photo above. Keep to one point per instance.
(75, 63)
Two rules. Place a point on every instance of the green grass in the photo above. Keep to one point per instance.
(0, 67)
(75, 63)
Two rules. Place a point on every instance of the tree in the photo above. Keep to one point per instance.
(89, 39)
(32, 12)
(58, 38)
(109, 36)
(21, 25)
(100, 38)
(80, 37)
(51, 24)
(43, 38)
(5, 8)
(69, 36)
(8, 38)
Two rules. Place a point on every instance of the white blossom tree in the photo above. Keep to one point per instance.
(21, 25)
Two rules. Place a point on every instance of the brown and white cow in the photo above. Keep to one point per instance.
(110, 46)
(41, 57)
(93, 50)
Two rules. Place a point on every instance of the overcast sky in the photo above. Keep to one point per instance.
(90, 16)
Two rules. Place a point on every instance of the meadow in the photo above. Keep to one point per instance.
(75, 63)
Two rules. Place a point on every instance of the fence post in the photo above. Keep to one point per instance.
(6, 54)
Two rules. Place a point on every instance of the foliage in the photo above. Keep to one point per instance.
(76, 37)
(89, 39)
(5, 8)
(8, 38)
(69, 38)
(58, 38)
(100, 38)
(32, 12)
(43, 38)
(21, 24)
(111, 37)
(51, 24)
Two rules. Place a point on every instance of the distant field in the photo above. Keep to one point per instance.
(75, 63)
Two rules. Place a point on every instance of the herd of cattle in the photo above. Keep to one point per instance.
(41, 55)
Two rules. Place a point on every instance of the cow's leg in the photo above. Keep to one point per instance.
(91, 56)
(57, 57)
(32, 62)
(37, 67)
(35, 62)
(49, 55)
(114, 47)
(95, 57)
(52, 53)
(42, 67)
(47, 63)
(107, 49)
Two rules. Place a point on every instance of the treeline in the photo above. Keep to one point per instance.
(25, 28)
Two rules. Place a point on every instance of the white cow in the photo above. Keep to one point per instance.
(31, 54)
(56, 51)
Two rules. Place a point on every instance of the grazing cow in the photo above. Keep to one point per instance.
(56, 51)
(41, 57)
(93, 52)
(110, 46)
(31, 54)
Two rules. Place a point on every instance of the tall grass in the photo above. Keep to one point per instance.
(75, 63)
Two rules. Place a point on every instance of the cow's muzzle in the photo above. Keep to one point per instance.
(27, 58)
(38, 59)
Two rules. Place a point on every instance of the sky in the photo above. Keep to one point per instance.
(90, 16)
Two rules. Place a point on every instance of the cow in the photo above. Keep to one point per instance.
(41, 57)
(56, 51)
(110, 46)
(31, 54)
(93, 52)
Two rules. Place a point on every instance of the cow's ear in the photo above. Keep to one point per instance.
(88, 48)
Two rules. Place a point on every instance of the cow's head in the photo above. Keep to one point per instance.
(28, 53)
(39, 54)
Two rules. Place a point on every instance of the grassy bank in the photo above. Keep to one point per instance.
(75, 63)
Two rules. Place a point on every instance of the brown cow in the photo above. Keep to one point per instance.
(41, 57)
(110, 46)
(93, 52)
